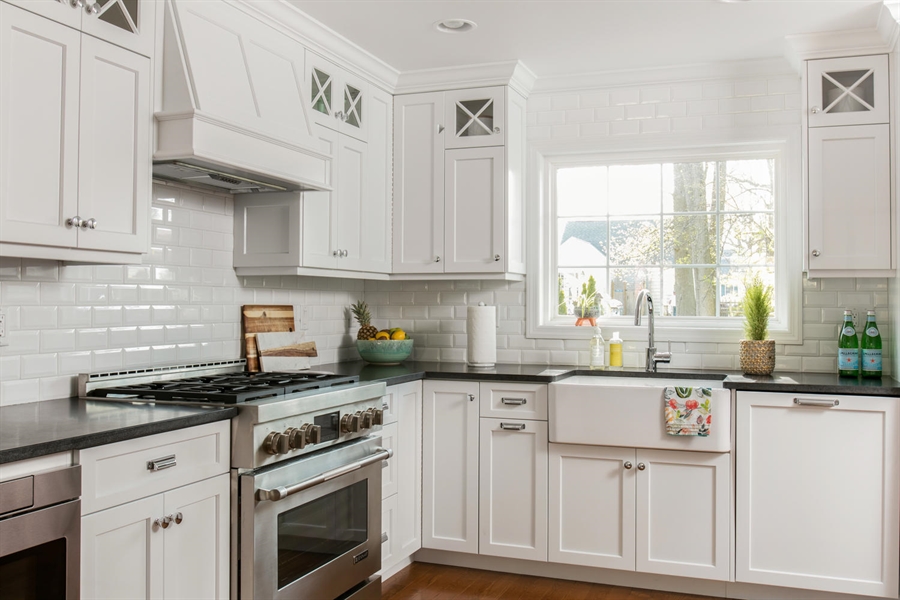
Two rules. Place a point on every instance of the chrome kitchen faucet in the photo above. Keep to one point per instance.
(653, 357)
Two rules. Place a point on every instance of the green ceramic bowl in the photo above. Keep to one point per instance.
(384, 352)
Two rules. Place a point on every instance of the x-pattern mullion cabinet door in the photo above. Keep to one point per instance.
(338, 99)
(475, 117)
(848, 91)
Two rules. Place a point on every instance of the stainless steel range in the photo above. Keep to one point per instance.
(306, 472)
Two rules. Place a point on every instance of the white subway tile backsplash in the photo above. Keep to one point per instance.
(564, 101)
(625, 127)
(702, 107)
(624, 96)
(19, 391)
(640, 111)
(564, 131)
(9, 367)
(37, 317)
(57, 387)
(751, 88)
(611, 113)
(19, 293)
(734, 105)
(591, 99)
(554, 117)
(38, 365)
(39, 270)
(74, 316)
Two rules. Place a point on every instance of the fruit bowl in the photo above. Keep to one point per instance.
(384, 352)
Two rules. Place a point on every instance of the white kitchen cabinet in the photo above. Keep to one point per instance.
(848, 91)
(849, 224)
(450, 465)
(126, 23)
(344, 232)
(818, 490)
(339, 99)
(458, 196)
(402, 479)
(513, 488)
(475, 117)
(664, 512)
(157, 533)
(85, 172)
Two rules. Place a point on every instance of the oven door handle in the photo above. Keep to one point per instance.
(282, 492)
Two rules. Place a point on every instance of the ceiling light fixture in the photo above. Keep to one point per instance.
(455, 25)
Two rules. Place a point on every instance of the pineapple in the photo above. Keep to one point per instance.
(361, 312)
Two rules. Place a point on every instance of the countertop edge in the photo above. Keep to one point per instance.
(111, 436)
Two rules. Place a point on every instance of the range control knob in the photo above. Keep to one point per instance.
(350, 423)
(368, 419)
(313, 433)
(276, 443)
(297, 437)
(377, 415)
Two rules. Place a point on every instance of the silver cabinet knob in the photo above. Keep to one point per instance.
(641, 466)
(91, 9)
(89, 224)
(338, 114)
(496, 130)
(627, 464)
(75, 221)
(440, 129)
(345, 253)
(496, 258)
(437, 259)
(815, 253)
(336, 253)
(815, 110)
(179, 518)
(77, 3)
(164, 522)
(471, 397)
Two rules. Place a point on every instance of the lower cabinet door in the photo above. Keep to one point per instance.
(389, 540)
(122, 551)
(592, 506)
(682, 521)
(818, 490)
(450, 465)
(197, 543)
(408, 523)
(513, 489)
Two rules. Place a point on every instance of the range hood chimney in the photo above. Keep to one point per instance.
(234, 114)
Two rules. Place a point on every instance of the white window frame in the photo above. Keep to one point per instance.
(780, 144)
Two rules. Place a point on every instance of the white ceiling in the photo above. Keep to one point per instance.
(564, 37)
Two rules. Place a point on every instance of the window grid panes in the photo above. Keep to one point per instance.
(690, 232)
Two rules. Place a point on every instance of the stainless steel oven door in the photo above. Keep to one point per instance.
(40, 536)
(311, 527)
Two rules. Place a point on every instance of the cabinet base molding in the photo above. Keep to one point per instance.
(69, 255)
(396, 568)
(681, 585)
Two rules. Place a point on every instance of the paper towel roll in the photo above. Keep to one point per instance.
(481, 327)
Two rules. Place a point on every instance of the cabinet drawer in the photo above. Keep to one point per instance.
(519, 400)
(125, 471)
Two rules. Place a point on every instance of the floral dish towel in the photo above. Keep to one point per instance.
(687, 410)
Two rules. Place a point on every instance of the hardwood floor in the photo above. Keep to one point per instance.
(423, 581)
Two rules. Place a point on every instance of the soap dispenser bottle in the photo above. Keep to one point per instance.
(598, 350)
(615, 352)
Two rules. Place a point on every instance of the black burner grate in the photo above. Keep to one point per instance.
(230, 388)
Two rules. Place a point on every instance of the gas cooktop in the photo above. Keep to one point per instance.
(226, 388)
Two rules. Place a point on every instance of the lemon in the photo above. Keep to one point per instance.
(398, 335)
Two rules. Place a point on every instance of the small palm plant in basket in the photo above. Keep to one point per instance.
(757, 352)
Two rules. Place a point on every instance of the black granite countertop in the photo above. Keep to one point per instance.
(805, 383)
(39, 428)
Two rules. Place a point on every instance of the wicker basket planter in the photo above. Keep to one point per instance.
(758, 357)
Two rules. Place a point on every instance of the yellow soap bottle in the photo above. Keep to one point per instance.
(615, 351)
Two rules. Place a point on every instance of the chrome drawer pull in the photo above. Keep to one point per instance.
(816, 402)
(384, 537)
(158, 464)
(512, 426)
(282, 492)
(514, 401)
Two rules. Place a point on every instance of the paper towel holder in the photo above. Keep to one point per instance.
(481, 365)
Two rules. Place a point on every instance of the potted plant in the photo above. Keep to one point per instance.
(757, 352)
(586, 303)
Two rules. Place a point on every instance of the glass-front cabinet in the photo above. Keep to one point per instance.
(125, 23)
(848, 91)
(337, 98)
(474, 117)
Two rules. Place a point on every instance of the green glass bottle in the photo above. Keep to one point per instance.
(871, 348)
(848, 348)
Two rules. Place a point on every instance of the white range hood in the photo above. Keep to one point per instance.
(234, 113)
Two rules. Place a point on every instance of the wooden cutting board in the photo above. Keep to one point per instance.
(259, 318)
(287, 351)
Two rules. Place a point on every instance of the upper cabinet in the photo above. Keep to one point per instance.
(125, 23)
(459, 166)
(338, 99)
(75, 186)
(848, 91)
(849, 225)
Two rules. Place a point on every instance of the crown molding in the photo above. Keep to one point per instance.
(512, 73)
(663, 75)
(854, 42)
(322, 40)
